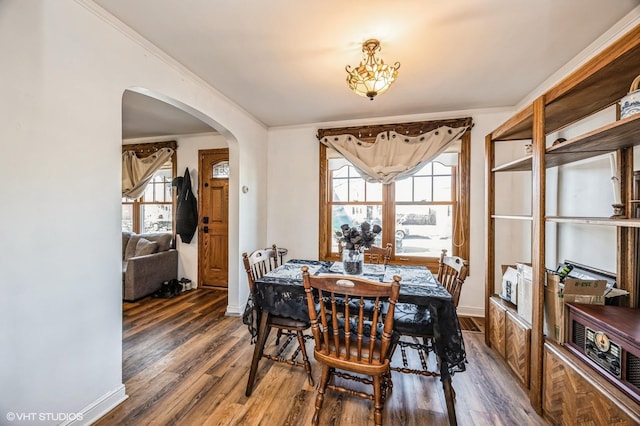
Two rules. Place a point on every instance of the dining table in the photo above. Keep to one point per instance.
(281, 292)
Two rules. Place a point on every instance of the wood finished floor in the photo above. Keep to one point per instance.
(185, 363)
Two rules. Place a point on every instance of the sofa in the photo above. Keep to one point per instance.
(147, 261)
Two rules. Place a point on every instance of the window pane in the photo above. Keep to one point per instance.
(156, 217)
(220, 170)
(340, 190)
(356, 190)
(422, 189)
(423, 231)
(159, 188)
(167, 191)
(127, 217)
(404, 190)
(374, 191)
(442, 188)
(148, 192)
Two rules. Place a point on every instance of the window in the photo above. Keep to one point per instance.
(419, 215)
(154, 211)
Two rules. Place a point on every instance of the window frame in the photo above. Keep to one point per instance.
(143, 150)
(462, 183)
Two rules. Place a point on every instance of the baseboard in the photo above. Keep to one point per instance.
(234, 311)
(468, 311)
(99, 407)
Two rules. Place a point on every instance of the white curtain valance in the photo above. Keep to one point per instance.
(393, 156)
(137, 172)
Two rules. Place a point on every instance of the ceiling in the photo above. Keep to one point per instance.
(283, 61)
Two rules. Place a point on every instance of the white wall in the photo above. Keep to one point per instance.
(63, 75)
(293, 194)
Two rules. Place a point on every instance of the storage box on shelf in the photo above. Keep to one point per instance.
(572, 290)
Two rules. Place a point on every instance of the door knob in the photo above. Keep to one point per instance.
(205, 229)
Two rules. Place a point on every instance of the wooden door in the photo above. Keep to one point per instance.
(213, 229)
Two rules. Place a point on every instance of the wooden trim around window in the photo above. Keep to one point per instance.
(324, 249)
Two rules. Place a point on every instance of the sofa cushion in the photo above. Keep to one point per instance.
(125, 239)
(130, 251)
(162, 238)
(145, 246)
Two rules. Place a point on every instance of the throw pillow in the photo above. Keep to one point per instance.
(145, 246)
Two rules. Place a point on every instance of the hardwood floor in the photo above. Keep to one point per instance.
(185, 363)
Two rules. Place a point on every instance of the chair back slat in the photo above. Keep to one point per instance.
(344, 330)
(379, 255)
(259, 263)
(452, 271)
(334, 323)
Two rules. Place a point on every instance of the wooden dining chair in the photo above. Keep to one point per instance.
(257, 264)
(379, 254)
(452, 271)
(346, 341)
(416, 323)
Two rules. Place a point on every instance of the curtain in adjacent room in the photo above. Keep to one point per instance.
(137, 172)
(393, 156)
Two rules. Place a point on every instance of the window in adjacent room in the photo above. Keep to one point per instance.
(154, 210)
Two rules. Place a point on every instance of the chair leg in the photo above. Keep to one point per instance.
(278, 336)
(378, 405)
(450, 396)
(322, 388)
(263, 333)
(305, 358)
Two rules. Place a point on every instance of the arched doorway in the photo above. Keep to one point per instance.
(152, 116)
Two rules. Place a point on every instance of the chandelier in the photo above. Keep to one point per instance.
(372, 77)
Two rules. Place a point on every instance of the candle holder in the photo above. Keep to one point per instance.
(618, 211)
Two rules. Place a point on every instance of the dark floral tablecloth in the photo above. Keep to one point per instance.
(281, 293)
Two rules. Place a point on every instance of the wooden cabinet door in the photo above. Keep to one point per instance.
(518, 346)
(497, 317)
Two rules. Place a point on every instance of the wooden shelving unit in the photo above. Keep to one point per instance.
(598, 84)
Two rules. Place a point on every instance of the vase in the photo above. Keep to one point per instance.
(353, 261)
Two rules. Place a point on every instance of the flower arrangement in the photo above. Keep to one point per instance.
(354, 242)
(354, 238)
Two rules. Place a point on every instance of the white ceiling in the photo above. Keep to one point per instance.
(143, 117)
(283, 60)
